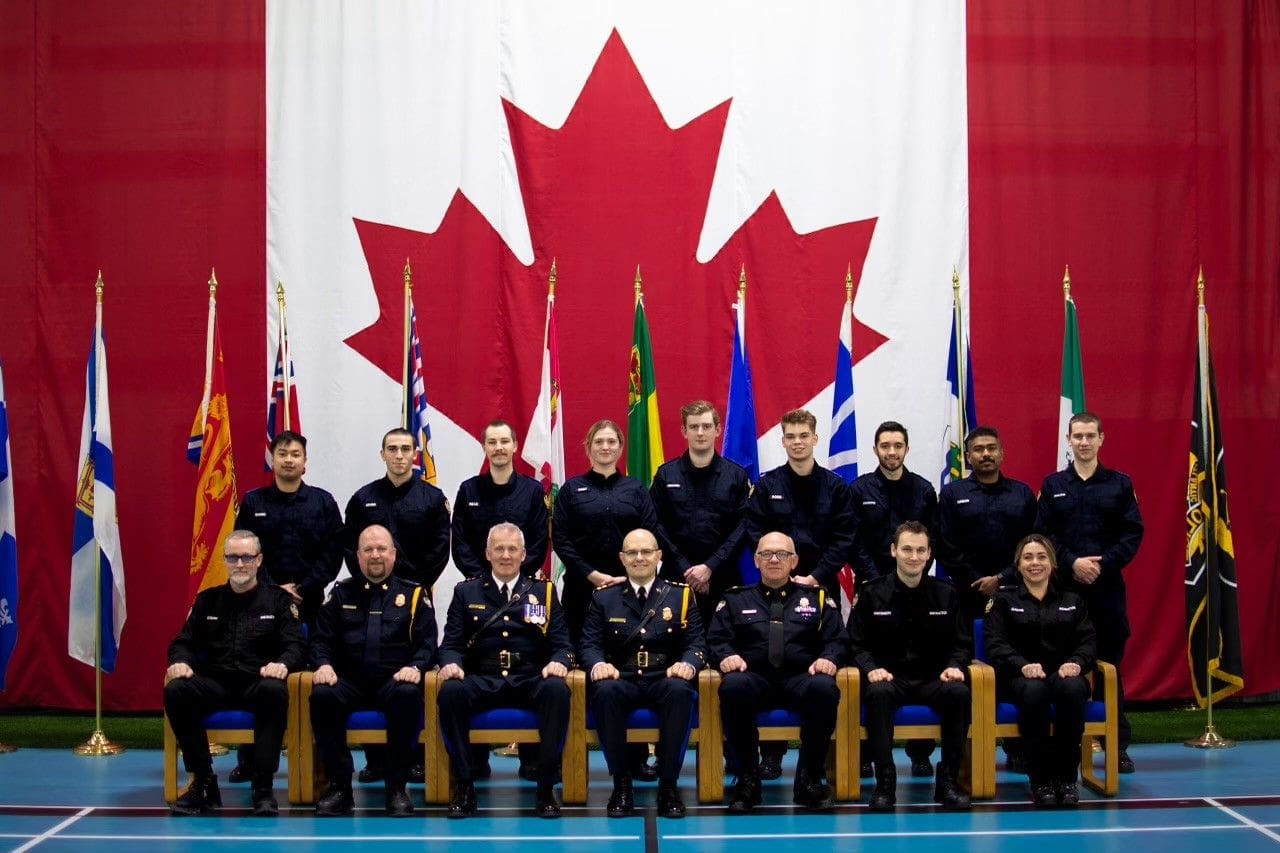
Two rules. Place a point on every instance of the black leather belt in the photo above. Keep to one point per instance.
(501, 663)
(642, 660)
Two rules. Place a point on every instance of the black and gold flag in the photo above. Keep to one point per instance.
(1213, 606)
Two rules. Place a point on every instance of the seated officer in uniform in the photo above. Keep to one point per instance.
(778, 644)
(376, 636)
(642, 645)
(908, 637)
(239, 643)
(505, 643)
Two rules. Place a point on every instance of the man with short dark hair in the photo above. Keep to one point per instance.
(908, 637)
(375, 637)
(701, 500)
(1090, 513)
(778, 643)
(505, 643)
(239, 643)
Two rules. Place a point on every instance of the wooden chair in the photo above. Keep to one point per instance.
(1101, 720)
(363, 727)
(921, 721)
(496, 725)
(774, 724)
(235, 727)
(642, 727)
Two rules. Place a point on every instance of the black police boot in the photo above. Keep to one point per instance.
(947, 793)
(1125, 763)
(201, 796)
(397, 801)
(622, 801)
(746, 794)
(545, 803)
(670, 803)
(1068, 794)
(337, 802)
(885, 795)
(811, 792)
(462, 802)
(264, 802)
(771, 753)
(1043, 795)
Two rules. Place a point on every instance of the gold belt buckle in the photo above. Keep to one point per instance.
(504, 659)
(642, 659)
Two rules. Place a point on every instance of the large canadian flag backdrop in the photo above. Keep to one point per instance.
(321, 145)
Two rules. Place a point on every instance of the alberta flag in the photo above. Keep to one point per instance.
(424, 462)
(962, 414)
(8, 546)
(97, 569)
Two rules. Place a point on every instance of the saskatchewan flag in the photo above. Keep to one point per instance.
(1071, 400)
(644, 438)
(1213, 605)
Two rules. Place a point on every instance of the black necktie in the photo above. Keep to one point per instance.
(505, 593)
(776, 625)
(641, 596)
(373, 629)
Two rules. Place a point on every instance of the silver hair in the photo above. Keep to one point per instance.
(245, 536)
(504, 527)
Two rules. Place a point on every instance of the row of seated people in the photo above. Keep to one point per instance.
(775, 644)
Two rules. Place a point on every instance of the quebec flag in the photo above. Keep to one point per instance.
(95, 547)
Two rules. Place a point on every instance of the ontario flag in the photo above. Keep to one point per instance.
(544, 439)
(416, 416)
(216, 499)
(282, 397)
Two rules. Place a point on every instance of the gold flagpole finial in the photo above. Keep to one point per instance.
(742, 282)
(408, 275)
(848, 283)
(955, 285)
(97, 286)
(1200, 287)
(638, 284)
(213, 282)
(280, 293)
(551, 280)
(1066, 281)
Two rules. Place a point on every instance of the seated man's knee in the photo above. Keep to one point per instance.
(821, 688)
(735, 686)
(879, 693)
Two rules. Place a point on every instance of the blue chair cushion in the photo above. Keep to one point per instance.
(911, 715)
(1094, 712)
(229, 719)
(505, 718)
(778, 717)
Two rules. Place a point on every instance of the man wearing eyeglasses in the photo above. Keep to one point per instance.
(778, 643)
(642, 646)
(239, 643)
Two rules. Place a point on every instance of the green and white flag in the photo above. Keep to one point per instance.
(1071, 400)
(644, 434)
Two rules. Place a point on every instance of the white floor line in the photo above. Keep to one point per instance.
(959, 833)
(1249, 823)
(53, 831)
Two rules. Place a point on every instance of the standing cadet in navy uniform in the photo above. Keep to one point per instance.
(813, 506)
(1090, 514)
(908, 636)
(505, 643)
(500, 495)
(376, 637)
(778, 643)
(298, 525)
(882, 500)
(642, 645)
(416, 513)
(701, 501)
(240, 641)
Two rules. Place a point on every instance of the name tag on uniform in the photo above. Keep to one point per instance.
(259, 515)
(581, 488)
(371, 503)
(477, 606)
(1017, 610)
(1059, 494)
(868, 503)
(776, 498)
(473, 503)
(617, 619)
(211, 618)
(962, 501)
(349, 607)
(881, 612)
(267, 616)
(1067, 609)
(673, 485)
(751, 612)
(939, 612)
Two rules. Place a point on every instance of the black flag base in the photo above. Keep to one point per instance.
(1210, 740)
(98, 744)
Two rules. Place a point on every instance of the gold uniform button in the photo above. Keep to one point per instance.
(506, 618)
(504, 673)
(504, 633)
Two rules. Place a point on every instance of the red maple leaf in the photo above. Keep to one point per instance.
(613, 189)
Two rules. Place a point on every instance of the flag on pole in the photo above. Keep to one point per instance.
(1071, 400)
(1213, 607)
(8, 546)
(95, 549)
(962, 414)
(282, 414)
(424, 461)
(842, 456)
(544, 441)
(644, 439)
(216, 499)
(740, 440)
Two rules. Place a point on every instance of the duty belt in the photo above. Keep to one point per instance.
(642, 659)
(503, 662)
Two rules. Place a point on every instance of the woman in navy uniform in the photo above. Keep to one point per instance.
(1042, 644)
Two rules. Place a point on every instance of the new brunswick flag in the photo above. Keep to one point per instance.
(1213, 605)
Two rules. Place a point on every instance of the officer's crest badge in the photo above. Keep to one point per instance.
(400, 599)
(804, 608)
(666, 614)
(293, 608)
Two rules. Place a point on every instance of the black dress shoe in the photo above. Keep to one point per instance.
(369, 774)
(264, 802)
(746, 794)
(201, 796)
(417, 774)
(1043, 796)
(885, 795)
(1067, 794)
(546, 804)
(239, 774)
(622, 802)
(337, 802)
(463, 801)
(1125, 762)
(812, 793)
(866, 771)
(947, 794)
(398, 803)
(771, 761)
(921, 768)
(670, 803)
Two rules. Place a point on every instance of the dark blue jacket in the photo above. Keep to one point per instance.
(481, 504)
(417, 515)
(878, 519)
(824, 538)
